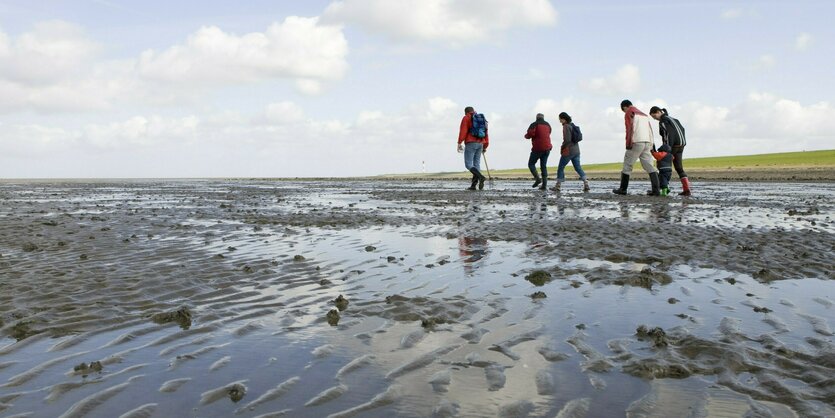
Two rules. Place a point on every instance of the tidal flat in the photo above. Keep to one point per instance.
(339, 298)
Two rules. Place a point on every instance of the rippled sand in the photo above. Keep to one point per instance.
(220, 299)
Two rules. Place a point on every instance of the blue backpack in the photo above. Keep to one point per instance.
(479, 128)
(576, 135)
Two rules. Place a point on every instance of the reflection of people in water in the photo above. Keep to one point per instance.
(472, 250)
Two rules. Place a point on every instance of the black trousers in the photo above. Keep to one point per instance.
(677, 157)
(542, 157)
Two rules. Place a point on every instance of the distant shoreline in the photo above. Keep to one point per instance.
(777, 175)
(803, 166)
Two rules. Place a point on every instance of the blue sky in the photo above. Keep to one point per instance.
(110, 88)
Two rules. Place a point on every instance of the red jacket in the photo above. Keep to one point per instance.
(628, 118)
(540, 135)
(464, 133)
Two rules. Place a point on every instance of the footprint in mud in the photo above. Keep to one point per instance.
(474, 336)
(411, 339)
(445, 409)
(544, 383)
(441, 380)
(496, 379)
(576, 408)
(518, 409)
(551, 354)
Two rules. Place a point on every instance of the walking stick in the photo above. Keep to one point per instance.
(487, 166)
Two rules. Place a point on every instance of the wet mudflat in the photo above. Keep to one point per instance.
(351, 298)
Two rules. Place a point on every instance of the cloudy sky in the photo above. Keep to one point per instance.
(118, 88)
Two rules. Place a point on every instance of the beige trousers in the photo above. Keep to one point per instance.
(639, 151)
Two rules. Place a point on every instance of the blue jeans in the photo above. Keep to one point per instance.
(542, 157)
(472, 155)
(575, 161)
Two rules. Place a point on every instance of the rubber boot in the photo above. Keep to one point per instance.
(685, 185)
(474, 183)
(624, 183)
(586, 187)
(544, 184)
(656, 188)
(480, 178)
(537, 181)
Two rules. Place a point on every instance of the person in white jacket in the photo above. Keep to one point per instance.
(638, 146)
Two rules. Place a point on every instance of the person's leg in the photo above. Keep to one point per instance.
(543, 166)
(629, 158)
(478, 148)
(561, 168)
(646, 157)
(646, 162)
(575, 161)
(678, 153)
(561, 172)
(532, 166)
(469, 153)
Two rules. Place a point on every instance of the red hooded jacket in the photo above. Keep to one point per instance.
(540, 135)
(464, 133)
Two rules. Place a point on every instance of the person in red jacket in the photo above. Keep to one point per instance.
(472, 146)
(540, 135)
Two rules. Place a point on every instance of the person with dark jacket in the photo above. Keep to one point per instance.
(472, 146)
(664, 163)
(569, 152)
(639, 142)
(539, 133)
(672, 133)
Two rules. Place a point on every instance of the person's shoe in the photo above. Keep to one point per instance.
(474, 183)
(685, 184)
(557, 187)
(624, 183)
(537, 182)
(656, 188)
(665, 191)
(481, 183)
(586, 187)
(544, 184)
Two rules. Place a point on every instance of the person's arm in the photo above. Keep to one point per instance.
(566, 136)
(662, 130)
(486, 142)
(464, 130)
(627, 118)
(531, 131)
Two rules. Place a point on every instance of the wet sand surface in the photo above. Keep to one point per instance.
(352, 298)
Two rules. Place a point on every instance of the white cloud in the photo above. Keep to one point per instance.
(764, 62)
(803, 41)
(451, 22)
(140, 131)
(729, 14)
(277, 140)
(283, 112)
(55, 67)
(626, 80)
(298, 48)
(31, 140)
(51, 52)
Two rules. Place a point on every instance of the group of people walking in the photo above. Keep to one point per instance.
(473, 140)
